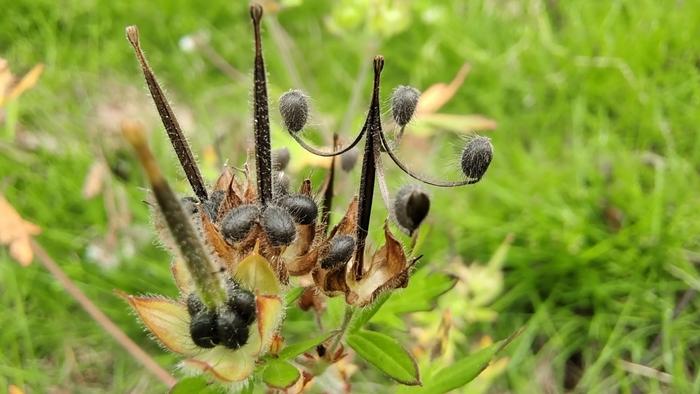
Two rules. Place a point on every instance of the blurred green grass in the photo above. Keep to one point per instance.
(597, 104)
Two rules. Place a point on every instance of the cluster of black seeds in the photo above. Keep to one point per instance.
(229, 325)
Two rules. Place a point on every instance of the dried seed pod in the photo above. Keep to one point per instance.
(231, 328)
(203, 329)
(238, 222)
(404, 100)
(194, 304)
(302, 208)
(243, 302)
(411, 206)
(278, 225)
(280, 159)
(348, 159)
(212, 204)
(339, 252)
(476, 157)
(294, 108)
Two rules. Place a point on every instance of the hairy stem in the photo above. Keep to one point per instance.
(347, 318)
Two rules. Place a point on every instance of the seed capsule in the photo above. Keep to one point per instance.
(238, 222)
(243, 302)
(476, 157)
(278, 225)
(294, 109)
(194, 304)
(340, 252)
(280, 183)
(302, 208)
(231, 329)
(403, 103)
(411, 206)
(280, 159)
(203, 329)
(349, 159)
(189, 204)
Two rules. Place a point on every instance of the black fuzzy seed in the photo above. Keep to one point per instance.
(238, 222)
(302, 208)
(194, 304)
(340, 252)
(280, 183)
(403, 103)
(411, 206)
(243, 302)
(212, 204)
(349, 159)
(189, 204)
(278, 225)
(232, 329)
(476, 157)
(203, 329)
(294, 109)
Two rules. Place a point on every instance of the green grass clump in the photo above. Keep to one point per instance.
(595, 172)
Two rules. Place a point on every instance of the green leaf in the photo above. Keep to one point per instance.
(280, 374)
(421, 294)
(298, 348)
(195, 384)
(387, 355)
(465, 370)
(254, 272)
(293, 295)
(362, 316)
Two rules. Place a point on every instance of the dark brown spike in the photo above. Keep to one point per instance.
(261, 122)
(328, 191)
(374, 127)
(172, 127)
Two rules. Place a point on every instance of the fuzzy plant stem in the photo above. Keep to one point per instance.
(208, 282)
(261, 120)
(347, 318)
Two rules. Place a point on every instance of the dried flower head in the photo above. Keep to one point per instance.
(236, 245)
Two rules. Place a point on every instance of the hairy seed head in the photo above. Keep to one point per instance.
(294, 108)
(349, 159)
(411, 206)
(243, 302)
(213, 202)
(280, 183)
(339, 252)
(302, 208)
(238, 222)
(476, 157)
(404, 100)
(278, 225)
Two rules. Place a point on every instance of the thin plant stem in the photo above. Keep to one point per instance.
(347, 318)
(105, 322)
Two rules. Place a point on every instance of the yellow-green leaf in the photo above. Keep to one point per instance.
(255, 273)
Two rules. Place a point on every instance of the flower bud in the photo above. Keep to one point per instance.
(476, 157)
(411, 206)
(302, 208)
(294, 109)
(404, 100)
(238, 222)
(348, 159)
(280, 159)
(339, 253)
(278, 226)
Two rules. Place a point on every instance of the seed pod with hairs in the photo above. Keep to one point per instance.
(280, 183)
(278, 225)
(339, 252)
(238, 222)
(294, 108)
(280, 159)
(243, 302)
(203, 329)
(349, 159)
(476, 157)
(411, 206)
(302, 208)
(404, 100)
